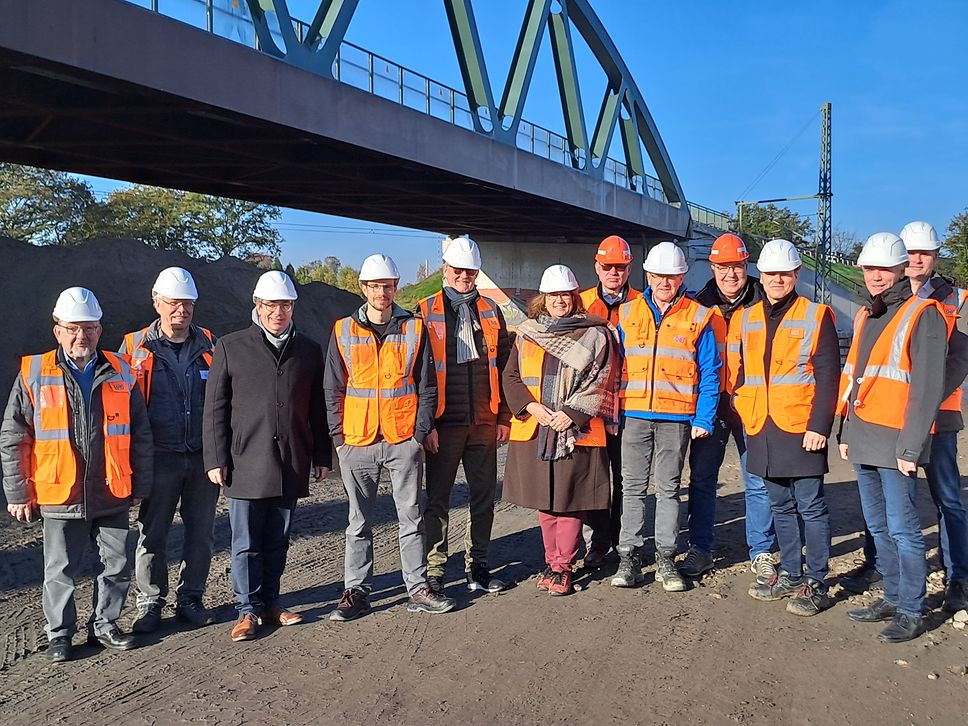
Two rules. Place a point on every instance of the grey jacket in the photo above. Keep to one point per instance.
(90, 497)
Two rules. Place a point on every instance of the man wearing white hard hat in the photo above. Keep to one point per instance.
(264, 436)
(670, 390)
(171, 358)
(76, 448)
(890, 390)
(783, 369)
(381, 395)
(469, 340)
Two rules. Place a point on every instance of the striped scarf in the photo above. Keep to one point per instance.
(466, 324)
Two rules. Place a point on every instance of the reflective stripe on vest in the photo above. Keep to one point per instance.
(596, 306)
(432, 312)
(660, 373)
(381, 395)
(786, 394)
(952, 306)
(52, 467)
(530, 366)
(882, 395)
(143, 360)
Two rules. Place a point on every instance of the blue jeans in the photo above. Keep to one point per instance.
(705, 459)
(792, 501)
(944, 481)
(260, 543)
(888, 499)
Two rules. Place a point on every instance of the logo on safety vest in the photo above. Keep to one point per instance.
(796, 332)
(118, 387)
(681, 339)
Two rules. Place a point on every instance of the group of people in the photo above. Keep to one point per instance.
(597, 389)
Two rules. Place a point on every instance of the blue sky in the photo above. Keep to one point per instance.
(729, 86)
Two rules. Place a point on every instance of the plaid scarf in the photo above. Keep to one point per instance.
(586, 378)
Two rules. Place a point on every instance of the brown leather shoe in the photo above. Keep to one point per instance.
(245, 627)
(281, 616)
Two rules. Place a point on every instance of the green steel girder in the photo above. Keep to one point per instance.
(522, 65)
(470, 58)
(631, 145)
(604, 128)
(569, 89)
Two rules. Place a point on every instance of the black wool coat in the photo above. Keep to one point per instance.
(265, 417)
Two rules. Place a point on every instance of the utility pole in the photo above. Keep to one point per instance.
(821, 291)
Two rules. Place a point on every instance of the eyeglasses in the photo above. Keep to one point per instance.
(723, 269)
(558, 295)
(76, 330)
(609, 268)
(176, 304)
(285, 306)
(464, 271)
(380, 287)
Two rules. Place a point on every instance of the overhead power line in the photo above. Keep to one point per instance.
(776, 159)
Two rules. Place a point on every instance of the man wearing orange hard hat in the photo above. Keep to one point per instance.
(613, 261)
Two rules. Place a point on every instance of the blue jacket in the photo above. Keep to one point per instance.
(709, 362)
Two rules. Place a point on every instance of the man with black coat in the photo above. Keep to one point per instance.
(264, 433)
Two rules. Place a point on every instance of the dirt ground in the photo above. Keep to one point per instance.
(604, 655)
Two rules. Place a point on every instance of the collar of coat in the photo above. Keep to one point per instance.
(891, 297)
(195, 337)
(397, 316)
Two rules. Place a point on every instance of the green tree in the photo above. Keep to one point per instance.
(349, 279)
(43, 206)
(956, 244)
(238, 228)
(772, 221)
(166, 219)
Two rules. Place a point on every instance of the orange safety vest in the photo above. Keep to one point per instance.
(596, 306)
(143, 360)
(530, 366)
(52, 466)
(432, 311)
(951, 306)
(381, 394)
(786, 394)
(882, 396)
(660, 373)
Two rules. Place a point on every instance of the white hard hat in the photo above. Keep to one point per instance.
(883, 249)
(176, 283)
(77, 305)
(779, 255)
(665, 259)
(920, 237)
(463, 252)
(274, 285)
(558, 278)
(378, 267)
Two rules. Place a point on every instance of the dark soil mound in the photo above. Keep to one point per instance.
(121, 272)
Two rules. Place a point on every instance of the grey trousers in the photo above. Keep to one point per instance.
(360, 467)
(178, 478)
(65, 543)
(643, 443)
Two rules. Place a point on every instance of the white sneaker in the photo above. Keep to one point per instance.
(764, 568)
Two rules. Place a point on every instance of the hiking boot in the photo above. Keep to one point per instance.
(351, 605)
(781, 586)
(594, 558)
(878, 611)
(479, 578)
(59, 649)
(695, 563)
(149, 618)
(862, 578)
(763, 567)
(436, 583)
(668, 575)
(810, 599)
(904, 627)
(956, 596)
(629, 573)
(545, 578)
(426, 600)
(192, 612)
(561, 584)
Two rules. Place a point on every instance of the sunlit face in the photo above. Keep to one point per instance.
(730, 279)
(559, 304)
(176, 315)
(275, 315)
(664, 287)
(922, 264)
(879, 279)
(612, 276)
(460, 279)
(79, 340)
(379, 294)
(779, 284)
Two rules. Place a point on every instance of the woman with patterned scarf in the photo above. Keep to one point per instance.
(561, 382)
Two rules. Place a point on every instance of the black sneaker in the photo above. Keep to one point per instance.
(904, 627)
(779, 587)
(696, 563)
(956, 596)
(861, 579)
(479, 578)
(629, 573)
(59, 649)
(810, 599)
(351, 605)
(149, 618)
(668, 575)
(877, 612)
(594, 558)
(194, 613)
(426, 600)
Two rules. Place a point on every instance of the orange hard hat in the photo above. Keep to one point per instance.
(728, 249)
(614, 251)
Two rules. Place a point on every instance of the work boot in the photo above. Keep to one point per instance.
(629, 573)
(861, 579)
(594, 558)
(810, 599)
(904, 627)
(352, 604)
(695, 563)
(479, 578)
(112, 639)
(561, 584)
(192, 612)
(764, 568)
(426, 600)
(545, 578)
(956, 596)
(781, 586)
(878, 611)
(668, 575)
(59, 649)
(149, 618)
(245, 627)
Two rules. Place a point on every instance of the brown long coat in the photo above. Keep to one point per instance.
(577, 484)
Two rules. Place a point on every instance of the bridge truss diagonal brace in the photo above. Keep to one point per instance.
(522, 65)
(569, 90)
(470, 58)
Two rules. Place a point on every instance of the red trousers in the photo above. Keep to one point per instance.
(561, 534)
